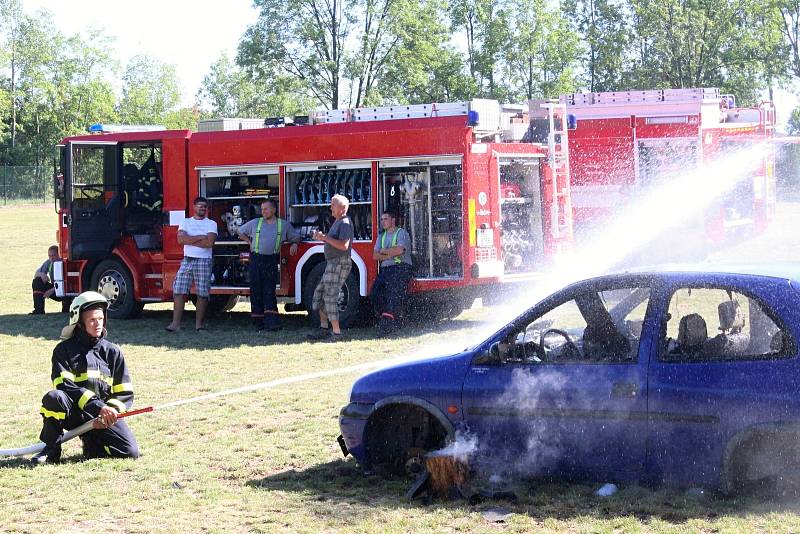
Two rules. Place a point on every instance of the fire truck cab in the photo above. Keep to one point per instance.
(482, 189)
(626, 143)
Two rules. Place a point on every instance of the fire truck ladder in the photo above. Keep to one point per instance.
(558, 158)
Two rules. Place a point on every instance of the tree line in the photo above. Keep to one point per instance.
(300, 55)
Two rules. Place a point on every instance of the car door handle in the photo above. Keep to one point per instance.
(624, 390)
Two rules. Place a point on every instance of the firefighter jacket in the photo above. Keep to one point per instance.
(92, 372)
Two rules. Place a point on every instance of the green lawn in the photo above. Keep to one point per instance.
(262, 461)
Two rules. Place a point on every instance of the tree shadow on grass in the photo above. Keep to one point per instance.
(342, 483)
(226, 330)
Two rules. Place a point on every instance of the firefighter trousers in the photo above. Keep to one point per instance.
(39, 289)
(264, 276)
(60, 414)
(390, 290)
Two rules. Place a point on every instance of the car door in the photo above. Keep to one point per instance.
(718, 374)
(553, 406)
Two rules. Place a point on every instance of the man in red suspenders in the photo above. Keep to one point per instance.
(393, 251)
(265, 235)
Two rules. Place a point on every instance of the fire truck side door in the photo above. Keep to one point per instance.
(93, 197)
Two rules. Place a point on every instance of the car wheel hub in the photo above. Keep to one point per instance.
(414, 466)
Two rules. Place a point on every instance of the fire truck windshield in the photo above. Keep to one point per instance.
(93, 171)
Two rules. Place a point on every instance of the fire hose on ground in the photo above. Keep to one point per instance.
(74, 433)
(86, 427)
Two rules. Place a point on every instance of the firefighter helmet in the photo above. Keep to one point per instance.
(82, 302)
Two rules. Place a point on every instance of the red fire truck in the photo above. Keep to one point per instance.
(625, 143)
(483, 194)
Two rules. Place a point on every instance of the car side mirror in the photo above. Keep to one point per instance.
(491, 356)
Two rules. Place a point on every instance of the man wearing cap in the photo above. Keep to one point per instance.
(42, 284)
(91, 381)
(389, 291)
(264, 236)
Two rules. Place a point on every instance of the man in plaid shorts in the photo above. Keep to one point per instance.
(338, 245)
(197, 235)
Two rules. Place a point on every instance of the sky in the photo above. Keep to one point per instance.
(190, 34)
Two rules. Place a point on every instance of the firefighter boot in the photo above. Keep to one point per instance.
(38, 304)
(387, 325)
(49, 455)
(272, 322)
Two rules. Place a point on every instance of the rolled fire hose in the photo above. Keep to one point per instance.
(74, 433)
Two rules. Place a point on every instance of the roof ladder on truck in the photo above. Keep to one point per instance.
(558, 158)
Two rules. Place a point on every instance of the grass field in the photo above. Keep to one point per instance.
(265, 461)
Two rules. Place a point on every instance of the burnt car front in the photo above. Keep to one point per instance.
(397, 413)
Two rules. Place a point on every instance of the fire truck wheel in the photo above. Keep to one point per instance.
(219, 304)
(349, 298)
(112, 280)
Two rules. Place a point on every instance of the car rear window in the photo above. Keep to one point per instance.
(722, 324)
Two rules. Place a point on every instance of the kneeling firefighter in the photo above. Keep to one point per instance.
(91, 381)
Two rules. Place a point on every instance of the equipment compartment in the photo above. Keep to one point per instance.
(234, 198)
(311, 189)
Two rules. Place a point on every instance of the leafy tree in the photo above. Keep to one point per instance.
(794, 122)
(58, 89)
(303, 38)
(185, 118)
(788, 14)
(150, 91)
(424, 66)
(605, 30)
(542, 51)
(367, 63)
(486, 26)
(12, 17)
(704, 43)
(228, 91)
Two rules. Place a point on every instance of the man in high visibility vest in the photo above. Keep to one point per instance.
(393, 251)
(90, 381)
(264, 236)
(42, 284)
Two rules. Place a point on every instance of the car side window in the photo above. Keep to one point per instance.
(594, 327)
(721, 324)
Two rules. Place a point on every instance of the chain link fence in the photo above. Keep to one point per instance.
(23, 184)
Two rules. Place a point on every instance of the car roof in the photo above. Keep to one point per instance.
(781, 270)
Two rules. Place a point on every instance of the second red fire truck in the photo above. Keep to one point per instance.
(626, 143)
(484, 196)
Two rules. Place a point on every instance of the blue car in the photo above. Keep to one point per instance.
(684, 377)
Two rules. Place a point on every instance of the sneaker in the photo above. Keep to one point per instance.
(48, 455)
